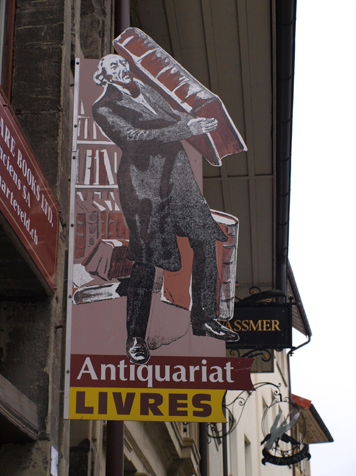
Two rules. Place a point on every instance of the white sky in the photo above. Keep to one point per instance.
(322, 228)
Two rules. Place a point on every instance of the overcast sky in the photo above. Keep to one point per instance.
(322, 222)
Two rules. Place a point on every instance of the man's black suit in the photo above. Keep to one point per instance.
(160, 199)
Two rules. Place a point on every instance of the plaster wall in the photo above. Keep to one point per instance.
(245, 451)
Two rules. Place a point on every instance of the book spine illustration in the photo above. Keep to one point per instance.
(80, 237)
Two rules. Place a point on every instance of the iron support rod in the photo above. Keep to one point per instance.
(224, 441)
(203, 447)
(115, 449)
(122, 16)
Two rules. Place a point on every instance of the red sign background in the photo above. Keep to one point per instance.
(26, 200)
(173, 372)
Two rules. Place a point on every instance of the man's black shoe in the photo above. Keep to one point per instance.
(212, 328)
(137, 350)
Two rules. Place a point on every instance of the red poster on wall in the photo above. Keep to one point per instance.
(152, 268)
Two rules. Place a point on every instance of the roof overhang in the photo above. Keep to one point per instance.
(316, 430)
(243, 52)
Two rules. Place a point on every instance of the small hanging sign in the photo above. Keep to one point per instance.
(289, 427)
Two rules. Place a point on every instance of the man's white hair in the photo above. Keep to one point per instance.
(101, 77)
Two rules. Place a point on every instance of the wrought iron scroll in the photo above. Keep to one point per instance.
(266, 353)
(240, 401)
(257, 295)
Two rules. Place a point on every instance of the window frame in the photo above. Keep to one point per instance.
(8, 46)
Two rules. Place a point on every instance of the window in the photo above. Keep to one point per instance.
(265, 415)
(7, 20)
(2, 26)
(248, 458)
(233, 448)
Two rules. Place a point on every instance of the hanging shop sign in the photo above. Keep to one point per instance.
(26, 199)
(288, 427)
(267, 325)
(152, 268)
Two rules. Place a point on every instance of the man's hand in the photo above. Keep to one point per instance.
(202, 125)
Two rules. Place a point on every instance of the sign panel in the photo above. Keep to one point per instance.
(152, 268)
(169, 389)
(262, 325)
(26, 200)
